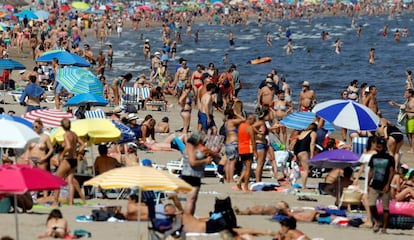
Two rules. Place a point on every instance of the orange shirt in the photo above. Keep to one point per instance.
(245, 143)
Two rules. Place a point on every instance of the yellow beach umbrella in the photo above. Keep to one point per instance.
(144, 178)
(94, 130)
(80, 5)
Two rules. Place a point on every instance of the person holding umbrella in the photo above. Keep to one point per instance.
(34, 94)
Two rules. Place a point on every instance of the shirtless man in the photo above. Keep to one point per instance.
(286, 88)
(409, 109)
(371, 101)
(307, 99)
(182, 76)
(231, 39)
(281, 107)
(266, 94)
(133, 207)
(34, 94)
(68, 159)
(371, 56)
(205, 113)
(409, 81)
(100, 59)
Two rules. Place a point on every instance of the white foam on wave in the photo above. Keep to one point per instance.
(246, 37)
(202, 49)
(188, 51)
(241, 48)
(305, 36)
(215, 50)
(127, 42)
(410, 44)
(120, 53)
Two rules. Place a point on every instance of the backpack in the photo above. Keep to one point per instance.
(224, 207)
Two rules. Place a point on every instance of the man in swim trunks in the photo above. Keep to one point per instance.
(205, 113)
(68, 159)
(110, 55)
(371, 100)
(182, 76)
(307, 99)
(266, 94)
(409, 109)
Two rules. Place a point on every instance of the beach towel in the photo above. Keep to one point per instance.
(264, 186)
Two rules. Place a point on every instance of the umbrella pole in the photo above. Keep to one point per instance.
(1, 156)
(139, 212)
(339, 190)
(15, 217)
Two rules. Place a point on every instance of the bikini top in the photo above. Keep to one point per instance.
(283, 108)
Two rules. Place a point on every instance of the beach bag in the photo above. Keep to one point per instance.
(224, 207)
(351, 196)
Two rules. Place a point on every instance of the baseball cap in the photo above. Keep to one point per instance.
(157, 53)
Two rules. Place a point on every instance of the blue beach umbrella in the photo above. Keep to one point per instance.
(29, 14)
(301, 120)
(64, 57)
(127, 135)
(347, 114)
(42, 14)
(9, 64)
(78, 80)
(87, 98)
(16, 119)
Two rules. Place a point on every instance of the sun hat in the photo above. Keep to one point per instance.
(132, 116)
(305, 84)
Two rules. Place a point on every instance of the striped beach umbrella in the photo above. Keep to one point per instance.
(50, 117)
(78, 80)
(144, 178)
(9, 64)
(301, 120)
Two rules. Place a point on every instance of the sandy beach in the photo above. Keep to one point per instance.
(32, 224)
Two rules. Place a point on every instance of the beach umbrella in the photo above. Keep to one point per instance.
(104, 7)
(141, 177)
(65, 8)
(347, 114)
(144, 8)
(87, 99)
(42, 14)
(15, 134)
(94, 11)
(10, 64)
(9, 16)
(80, 5)
(78, 80)
(50, 117)
(8, 7)
(95, 130)
(301, 120)
(218, 4)
(127, 135)
(20, 178)
(29, 14)
(16, 119)
(337, 158)
(64, 57)
(2, 14)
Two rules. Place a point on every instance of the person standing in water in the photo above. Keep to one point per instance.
(371, 56)
(338, 44)
(231, 39)
(268, 39)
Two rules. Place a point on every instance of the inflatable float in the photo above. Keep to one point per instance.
(260, 60)
(398, 208)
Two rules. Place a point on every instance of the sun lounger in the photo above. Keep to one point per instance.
(359, 144)
(135, 96)
(50, 97)
(95, 114)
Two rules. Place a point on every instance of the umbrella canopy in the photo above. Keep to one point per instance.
(9, 64)
(50, 117)
(87, 99)
(9, 7)
(65, 8)
(78, 80)
(80, 5)
(218, 4)
(95, 130)
(301, 120)
(64, 57)
(145, 178)
(144, 8)
(15, 134)
(20, 178)
(127, 135)
(16, 119)
(347, 114)
(29, 14)
(42, 14)
(338, 158)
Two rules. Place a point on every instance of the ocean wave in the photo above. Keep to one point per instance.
(187, 52)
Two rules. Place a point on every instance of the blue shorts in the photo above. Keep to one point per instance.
(232, 151)
(58, 88)
(261, 146)
(202, 120)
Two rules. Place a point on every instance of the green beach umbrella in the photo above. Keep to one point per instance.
(78, 80)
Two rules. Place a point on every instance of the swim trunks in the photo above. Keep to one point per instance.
(232, 151)
(202, 120)
(409, 126)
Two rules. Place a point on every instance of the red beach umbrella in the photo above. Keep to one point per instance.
(65, 8)
(20, 178)
(50, 117)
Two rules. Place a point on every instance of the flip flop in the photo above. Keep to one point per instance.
(376, 228)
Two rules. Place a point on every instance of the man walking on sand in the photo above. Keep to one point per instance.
(307, 99)
(205, 113)
(34, 94)
(69, 160)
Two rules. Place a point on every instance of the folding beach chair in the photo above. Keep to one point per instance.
(359, 144)
(131, 96)
(98, 113)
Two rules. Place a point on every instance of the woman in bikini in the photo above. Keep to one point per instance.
(261, 132)
(394, 136)
(288, 230)
(281, 108)
(119, 83)
(185, 101)
(353, 91)
(142, 82)
(304, 149)
(196, 80)
(401, 189)
(56, 225)
(19, 36)
(38, 154)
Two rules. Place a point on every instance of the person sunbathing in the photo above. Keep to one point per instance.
(133, 208)
(280, 207)
(404, 190)
(56, 225)
(288, 230)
